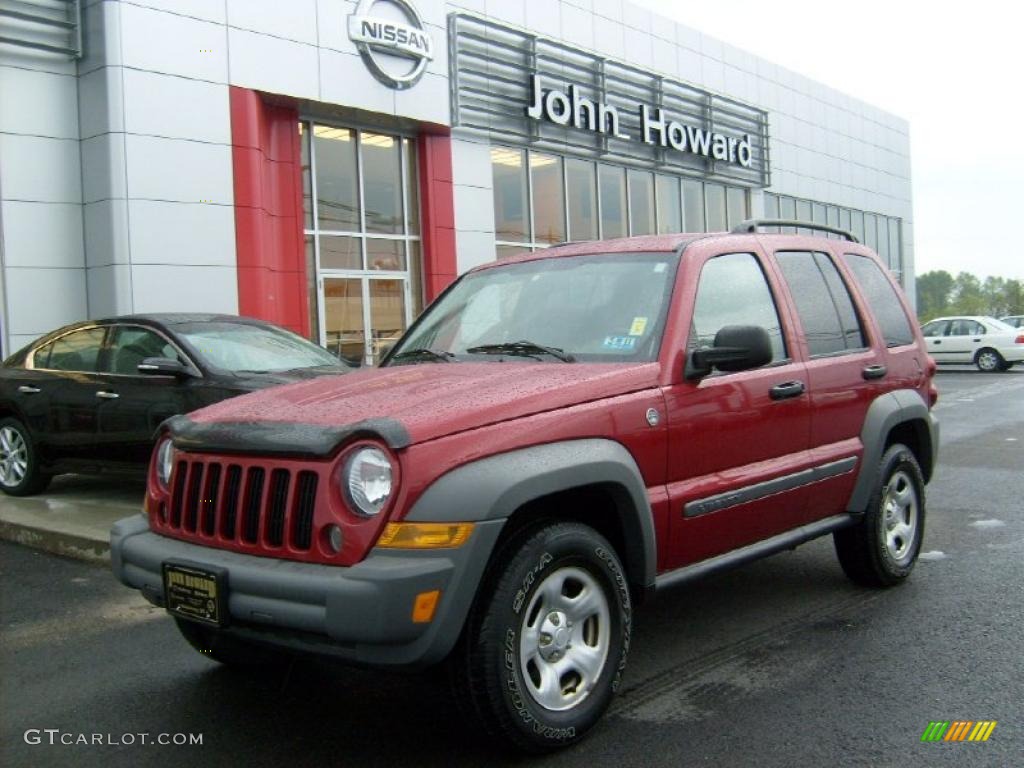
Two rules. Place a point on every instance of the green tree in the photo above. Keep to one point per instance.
(995, 299)
(933, 293)
(968, 298)
(1013, 297)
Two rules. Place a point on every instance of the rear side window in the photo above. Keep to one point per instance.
(883, 300)
(826, 311)
(733, 291)
(76, 351)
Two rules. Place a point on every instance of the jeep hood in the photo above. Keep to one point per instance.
(431, 400)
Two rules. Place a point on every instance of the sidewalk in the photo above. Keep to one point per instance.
(73, 516)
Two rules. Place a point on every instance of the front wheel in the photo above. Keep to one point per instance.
(881, 549)
(20, 473)
(989, 361)
(545, 646)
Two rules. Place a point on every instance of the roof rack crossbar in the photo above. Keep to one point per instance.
(751, 226)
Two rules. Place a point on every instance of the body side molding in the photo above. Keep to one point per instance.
(755, 551)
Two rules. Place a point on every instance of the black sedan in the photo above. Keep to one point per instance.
(89, 397)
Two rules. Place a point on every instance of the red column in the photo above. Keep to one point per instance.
(272, 281)
(437, 209)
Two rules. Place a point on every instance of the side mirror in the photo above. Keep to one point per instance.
(163, 366)
(737, 348)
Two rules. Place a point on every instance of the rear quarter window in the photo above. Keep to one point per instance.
(882, 300)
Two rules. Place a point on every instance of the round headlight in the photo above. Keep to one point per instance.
(367, 479)
(164, 462)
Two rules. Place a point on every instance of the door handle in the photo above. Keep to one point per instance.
(104, 395)
(786, 390)
(25, 389)
(874, 372)
(976, 340)
(937, 342)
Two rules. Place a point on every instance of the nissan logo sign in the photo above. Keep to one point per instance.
(392, 40)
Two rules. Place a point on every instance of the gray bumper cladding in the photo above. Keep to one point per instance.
(361, 613)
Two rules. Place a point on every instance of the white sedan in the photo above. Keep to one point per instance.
(990, 344)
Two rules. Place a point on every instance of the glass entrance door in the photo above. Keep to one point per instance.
(362, 233)
(363, 316)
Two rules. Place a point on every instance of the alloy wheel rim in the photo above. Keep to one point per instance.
(564, 639)
(899, 516)
(13, 457)
(987, 361)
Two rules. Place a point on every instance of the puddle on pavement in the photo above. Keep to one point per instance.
(935, 554)
(987, 524)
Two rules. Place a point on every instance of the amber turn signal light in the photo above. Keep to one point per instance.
(424, 606)
(424, 535)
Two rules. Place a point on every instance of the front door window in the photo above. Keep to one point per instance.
(362, 237)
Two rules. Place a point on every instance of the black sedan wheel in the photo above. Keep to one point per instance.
(19, 467)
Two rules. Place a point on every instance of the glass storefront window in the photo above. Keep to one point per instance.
(548, 198)
(641, 203)
(340, 252)
(337, 188)
(355, 311)
(511, 206)
(771, 206)
(412, 187)
(612, 188)
(507, 251)
(387, 255)
(736, 205)
(670, 204)
(581, 178)
(693, 206)
(715, 200)
(382, 183)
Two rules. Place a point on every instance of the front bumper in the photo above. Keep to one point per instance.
(361, 613)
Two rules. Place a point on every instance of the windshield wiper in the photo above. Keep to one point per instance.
(422, 353)
(522, 348)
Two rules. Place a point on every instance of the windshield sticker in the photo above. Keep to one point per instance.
(638, 327)
(619, 342)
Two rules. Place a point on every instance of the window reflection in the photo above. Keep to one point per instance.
(715, 199)
(641, 203)
(510, 196)
(581, 176)
(336, 180)
(670, 212)
(548, 198)
(612, 187)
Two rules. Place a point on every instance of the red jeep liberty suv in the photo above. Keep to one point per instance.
(559, 436)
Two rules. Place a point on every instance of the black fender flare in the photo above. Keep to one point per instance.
(493, 488)
(886, 412)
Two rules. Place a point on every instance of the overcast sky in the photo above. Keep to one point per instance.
(952, 70)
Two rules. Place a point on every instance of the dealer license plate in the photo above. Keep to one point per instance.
(196, 593)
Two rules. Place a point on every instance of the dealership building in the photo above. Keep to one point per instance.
(331, 166)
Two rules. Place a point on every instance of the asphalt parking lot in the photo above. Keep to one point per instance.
(782, 663)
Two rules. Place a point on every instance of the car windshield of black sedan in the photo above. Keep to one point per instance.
(607, 308)
(254, 348)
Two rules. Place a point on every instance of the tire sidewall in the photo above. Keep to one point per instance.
(897, 458)
(562, 546)
(32, 468)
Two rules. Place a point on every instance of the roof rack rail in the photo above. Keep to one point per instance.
(751, 225)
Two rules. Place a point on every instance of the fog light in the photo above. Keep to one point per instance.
(424, 605)
(424, 535)
(334, 538)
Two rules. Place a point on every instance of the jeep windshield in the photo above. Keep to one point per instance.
(603, 308)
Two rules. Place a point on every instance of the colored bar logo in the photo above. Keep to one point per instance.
(959, 730)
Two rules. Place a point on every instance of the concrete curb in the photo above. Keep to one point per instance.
(64, 543)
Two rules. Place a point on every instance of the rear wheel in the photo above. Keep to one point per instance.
(220, 646)
(20, 474)
(989, 361)
(880, 550)
(545, 647)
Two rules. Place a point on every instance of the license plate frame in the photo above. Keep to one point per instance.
(196, 592)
